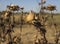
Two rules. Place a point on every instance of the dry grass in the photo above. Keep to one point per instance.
(28, 31)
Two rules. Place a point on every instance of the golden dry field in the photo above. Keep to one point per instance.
(29, 31)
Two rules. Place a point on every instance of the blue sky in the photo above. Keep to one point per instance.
(28, 4)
